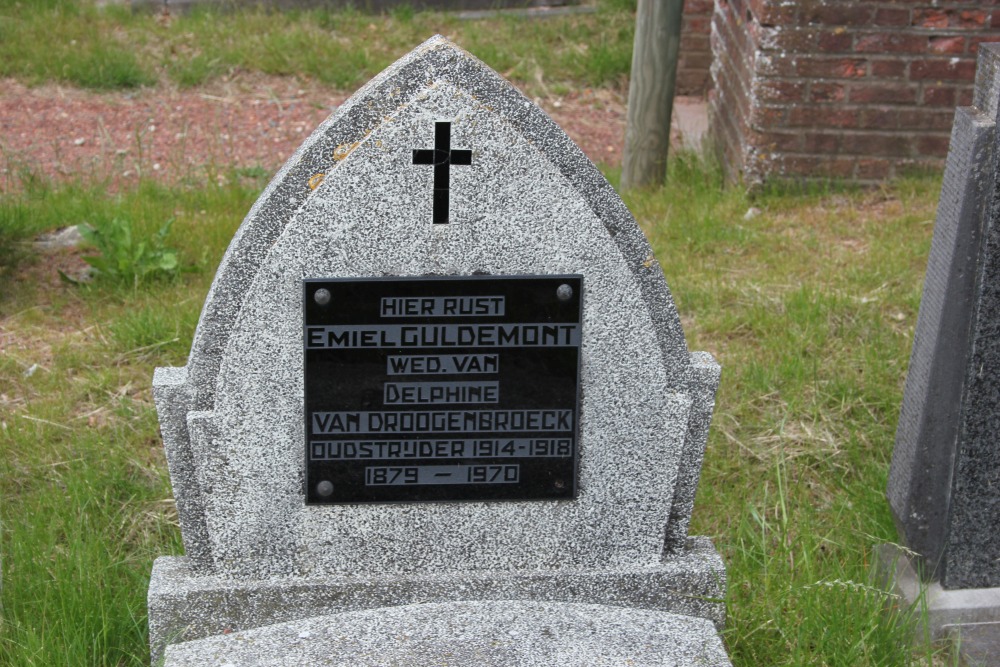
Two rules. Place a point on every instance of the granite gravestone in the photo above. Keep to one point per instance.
(944, 482)
(439, 382)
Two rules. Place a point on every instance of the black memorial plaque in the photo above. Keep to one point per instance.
(441, 389)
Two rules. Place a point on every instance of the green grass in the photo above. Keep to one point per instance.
(76, 43)
(85, 501)
(71, 43)
(809, 306)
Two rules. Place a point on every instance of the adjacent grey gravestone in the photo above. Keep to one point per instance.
(944, 482)
(439, 382)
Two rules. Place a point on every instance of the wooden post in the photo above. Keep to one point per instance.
(651, 92)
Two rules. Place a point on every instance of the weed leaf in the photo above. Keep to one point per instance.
(123, 258)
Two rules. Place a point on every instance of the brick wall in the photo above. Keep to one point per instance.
(857, 89)
(695, 51)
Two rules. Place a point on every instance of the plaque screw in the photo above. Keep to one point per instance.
(559, 484)
(564, 292)
(322, 296)
(324, 488)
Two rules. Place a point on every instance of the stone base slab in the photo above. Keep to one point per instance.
(978, 644)
(969, 616)
(468, 634)
(184, 606)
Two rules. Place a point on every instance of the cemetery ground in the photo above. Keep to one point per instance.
(809, 305)
(808, 299)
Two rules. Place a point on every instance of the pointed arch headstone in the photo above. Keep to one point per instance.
(440, 172)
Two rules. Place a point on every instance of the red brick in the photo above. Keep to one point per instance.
(974, 42)
(964, 97)
(819, 142)
(734, 73)
(937, 18)
(943, 70)
(839, 68)
(695, 60)
(780, 91)
(936, 145)
(698, 7)
(700, 28)
(701, 24)
(824, 116)
(730, 40)
(723, 7)
(782, 142)
(946, 44)
(930, 18)
(890, 42)
(701, 61)
(687, 30)
(762, 117)
(889, 69)
(817, 166)
(879, 118)
(873, 169)
(839, 13)
(827, 92)
(890, 145)
(774, 14)
(920, 166)
(882, 94)
(775, 65)
(690, 40)
(692, 82)
(836, 41)
(926, 119)
(789, 40)
(973, 18)
(875, 79)
(731, 35)
(892, 17)
(938, 96)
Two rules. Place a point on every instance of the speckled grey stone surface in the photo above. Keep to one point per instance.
(350, 203)
(469, 634)
(986, 93)
(972, 553)
(945, 611)
(185, 605)
(706, 373)
(944, 483)
(977, 644)
(920, 477)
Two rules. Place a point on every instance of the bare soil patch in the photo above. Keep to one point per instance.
(246, 121)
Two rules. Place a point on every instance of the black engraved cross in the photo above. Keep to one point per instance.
(442, 157)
